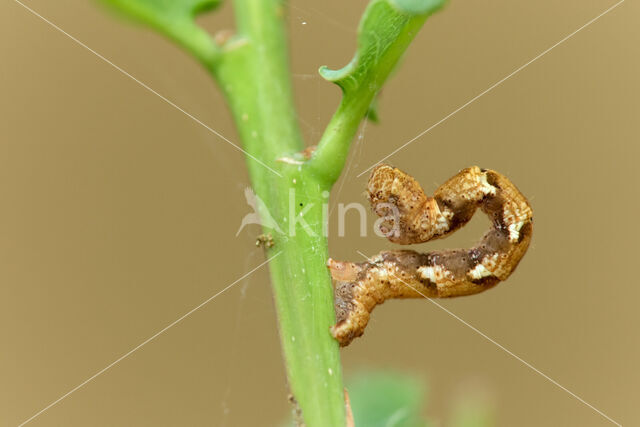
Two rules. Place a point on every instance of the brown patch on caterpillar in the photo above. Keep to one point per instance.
(342, 270)
(359, 287)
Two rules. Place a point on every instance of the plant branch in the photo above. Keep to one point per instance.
(255, 78)
(252, 71)
(175, 20)
(385, 31)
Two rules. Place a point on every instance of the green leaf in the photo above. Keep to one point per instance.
(386, 29)
(175, 19)
(381, 399)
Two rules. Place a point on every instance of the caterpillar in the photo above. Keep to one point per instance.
(409, 216)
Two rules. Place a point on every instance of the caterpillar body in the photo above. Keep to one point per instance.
(359, 287)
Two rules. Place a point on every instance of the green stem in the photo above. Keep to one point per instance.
(193, 39)
(385, 32)
(330, 156)
(253, 73)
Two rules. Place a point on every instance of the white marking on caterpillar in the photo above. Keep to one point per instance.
(436, 274)
(479, 271)
(485, 187)
(491, 262)
(359, 287)
(442, 222)
(514, 233)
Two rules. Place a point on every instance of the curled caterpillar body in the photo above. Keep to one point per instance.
(410, 216)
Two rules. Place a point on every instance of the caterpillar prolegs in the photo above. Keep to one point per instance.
(410, 216)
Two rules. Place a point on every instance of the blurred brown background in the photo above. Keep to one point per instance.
(119, 215)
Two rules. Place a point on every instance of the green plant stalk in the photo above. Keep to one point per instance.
(253, 73)
(333, 148)
(330, 156)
